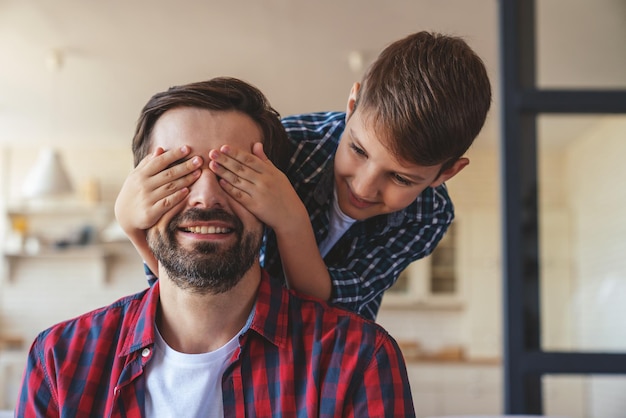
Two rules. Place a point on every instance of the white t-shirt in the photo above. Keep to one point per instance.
(339, 224)
(186, 385)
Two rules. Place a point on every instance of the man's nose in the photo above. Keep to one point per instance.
(206, 192)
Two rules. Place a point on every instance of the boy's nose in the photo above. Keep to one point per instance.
(206, 192)
(365, 185)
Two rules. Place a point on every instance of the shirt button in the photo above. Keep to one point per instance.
(145, 352)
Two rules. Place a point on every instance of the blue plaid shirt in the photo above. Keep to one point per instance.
(370, 256)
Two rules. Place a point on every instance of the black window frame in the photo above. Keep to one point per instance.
(524, 361)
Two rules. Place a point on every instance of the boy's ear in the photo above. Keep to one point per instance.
(352, 99)
(446, 175)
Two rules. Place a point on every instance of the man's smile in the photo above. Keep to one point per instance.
(204, 229)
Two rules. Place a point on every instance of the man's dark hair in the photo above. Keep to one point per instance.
(220, 94)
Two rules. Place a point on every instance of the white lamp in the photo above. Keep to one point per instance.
(47, 178)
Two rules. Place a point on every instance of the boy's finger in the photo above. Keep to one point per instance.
(234, 155)
(172, 200)
(174, 186)
(236, 193)
(257, 149)
(183, 168)
(163, 160)
(231, 177)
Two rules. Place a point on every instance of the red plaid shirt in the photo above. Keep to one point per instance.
(299, 358)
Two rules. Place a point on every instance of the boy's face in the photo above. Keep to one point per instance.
(370, 181)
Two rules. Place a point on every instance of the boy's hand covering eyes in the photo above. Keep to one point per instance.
(253, 181)
(158, 183)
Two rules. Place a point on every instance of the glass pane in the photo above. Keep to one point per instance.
(580, 43)
(443, 265)
(593, 396)
(582, 232)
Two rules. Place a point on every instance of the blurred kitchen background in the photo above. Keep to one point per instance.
(74, 75)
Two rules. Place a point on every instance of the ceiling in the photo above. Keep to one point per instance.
(115, 54)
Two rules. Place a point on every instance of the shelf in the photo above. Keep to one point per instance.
(35, 227)
(60, 209)
(103, 254)
(432, 303)
(89, 251)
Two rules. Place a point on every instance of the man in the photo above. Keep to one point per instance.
(215, 336)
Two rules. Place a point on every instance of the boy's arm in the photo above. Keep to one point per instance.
(154, 187)
(265, 191)
(303, 266)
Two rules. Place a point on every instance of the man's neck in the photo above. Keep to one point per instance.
(195, 323)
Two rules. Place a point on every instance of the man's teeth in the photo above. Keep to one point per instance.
(206, 230)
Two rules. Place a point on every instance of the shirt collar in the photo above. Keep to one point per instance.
(140, 332)
(271, 316)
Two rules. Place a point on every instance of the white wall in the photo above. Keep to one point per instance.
(108, 165)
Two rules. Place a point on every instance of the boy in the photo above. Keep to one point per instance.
(363, 194)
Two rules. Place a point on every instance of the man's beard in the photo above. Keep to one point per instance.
(208, 267)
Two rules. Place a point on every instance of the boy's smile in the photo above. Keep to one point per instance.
(358, 202)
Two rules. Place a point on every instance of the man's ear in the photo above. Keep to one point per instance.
(352, 99)
(446, 175)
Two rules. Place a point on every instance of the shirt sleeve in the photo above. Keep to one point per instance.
(36, 398)
(384, 390)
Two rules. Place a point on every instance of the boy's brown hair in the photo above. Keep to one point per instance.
(221, 94)
(427, 97)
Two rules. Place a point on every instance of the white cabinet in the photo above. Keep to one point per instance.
(433, 282)
(455, 388)
(12, 364)
(476, 389)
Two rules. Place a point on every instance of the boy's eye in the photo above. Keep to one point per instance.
(401, 180)
(357, 149)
